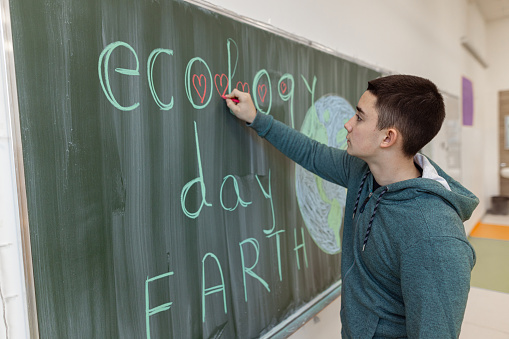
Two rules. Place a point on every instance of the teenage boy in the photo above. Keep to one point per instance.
(406, 260)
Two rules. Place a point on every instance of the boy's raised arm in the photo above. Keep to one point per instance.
(326, 162)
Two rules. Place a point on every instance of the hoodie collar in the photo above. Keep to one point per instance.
(429, 171)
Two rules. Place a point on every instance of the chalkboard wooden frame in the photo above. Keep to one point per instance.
(305, 313)
(12, 94)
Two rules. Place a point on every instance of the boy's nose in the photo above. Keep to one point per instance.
(348, 127)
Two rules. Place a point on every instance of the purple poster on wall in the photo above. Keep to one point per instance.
(468, 102)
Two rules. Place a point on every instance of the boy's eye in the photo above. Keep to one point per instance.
(358, 117)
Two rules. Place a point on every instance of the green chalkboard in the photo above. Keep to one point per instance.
(153, 211)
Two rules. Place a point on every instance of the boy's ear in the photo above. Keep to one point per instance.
(391, 136)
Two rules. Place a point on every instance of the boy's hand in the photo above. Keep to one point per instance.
(244, 109)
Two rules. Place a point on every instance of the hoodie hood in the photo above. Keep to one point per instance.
(434, 181)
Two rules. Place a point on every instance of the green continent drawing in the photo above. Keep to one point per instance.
(321, 203)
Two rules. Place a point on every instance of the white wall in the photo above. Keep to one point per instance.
(420, 37)
(498, 75)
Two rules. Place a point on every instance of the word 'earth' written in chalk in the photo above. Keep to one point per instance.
(208, 288)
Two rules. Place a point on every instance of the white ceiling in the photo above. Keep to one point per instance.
(493, 9)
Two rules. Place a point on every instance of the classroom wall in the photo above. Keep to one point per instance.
(498, 75)
(421, 37)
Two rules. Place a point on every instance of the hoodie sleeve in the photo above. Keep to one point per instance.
(327, 162)
(435, 281)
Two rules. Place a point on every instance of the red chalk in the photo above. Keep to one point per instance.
(232, 99)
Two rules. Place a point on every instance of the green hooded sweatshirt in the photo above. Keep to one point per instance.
(406, 260)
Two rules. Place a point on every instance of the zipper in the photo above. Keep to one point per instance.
(365, 202)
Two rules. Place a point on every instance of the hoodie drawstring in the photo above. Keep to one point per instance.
(359, 193)
(373, 217)
(374, 210)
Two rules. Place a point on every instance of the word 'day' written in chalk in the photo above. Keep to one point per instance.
(199, 182)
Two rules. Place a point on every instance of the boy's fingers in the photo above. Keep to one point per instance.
(231, 105)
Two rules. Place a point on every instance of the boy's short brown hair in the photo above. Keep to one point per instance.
(412, 105)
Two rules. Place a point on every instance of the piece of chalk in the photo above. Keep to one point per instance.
(232, 99)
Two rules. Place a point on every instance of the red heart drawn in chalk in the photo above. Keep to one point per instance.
(202, 96)
(262, 89)
(243, 85)
(283, 87)
(221, 84)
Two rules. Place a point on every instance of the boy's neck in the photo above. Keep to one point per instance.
(393, 168)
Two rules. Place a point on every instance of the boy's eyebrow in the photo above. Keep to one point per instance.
(359, 110)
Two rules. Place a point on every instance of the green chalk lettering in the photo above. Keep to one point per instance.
(261, 90)
(278, 244)
(286, 91)
(297, 247)
(236, 187)
(189, 83)
(161, 308)
(214, 289)
(249, 270)
(150, 68)
(311, 89)
(268, 196)
(105, 82)
(230, 73)
(190, 184)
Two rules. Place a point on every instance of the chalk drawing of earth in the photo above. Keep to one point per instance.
(321, 203)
